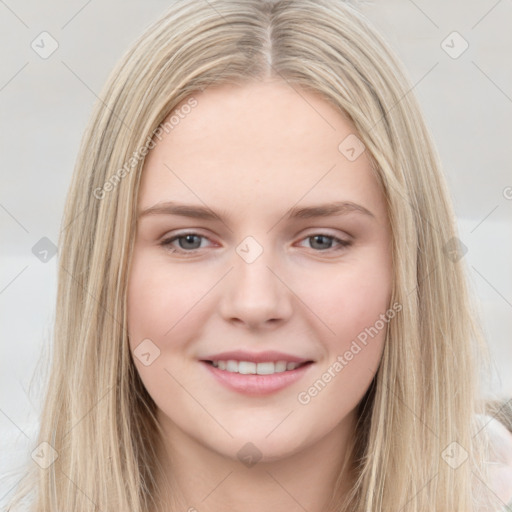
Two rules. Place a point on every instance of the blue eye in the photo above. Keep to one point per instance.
(188, 237)
(323, 238)
(191, 245)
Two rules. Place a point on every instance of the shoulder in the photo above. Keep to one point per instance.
(501, 438)
(501, 458)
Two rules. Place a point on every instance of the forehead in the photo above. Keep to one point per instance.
(268, 143)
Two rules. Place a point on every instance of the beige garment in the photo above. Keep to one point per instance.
(501, 461)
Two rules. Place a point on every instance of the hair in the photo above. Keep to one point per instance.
(427, 392)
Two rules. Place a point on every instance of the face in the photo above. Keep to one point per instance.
(264, 275)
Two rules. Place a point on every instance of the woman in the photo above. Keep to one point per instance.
(259, 370)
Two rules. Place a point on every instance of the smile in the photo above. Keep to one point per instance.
(256, 379)
(251, 368)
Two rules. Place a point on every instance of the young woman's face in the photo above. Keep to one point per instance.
(263, 274)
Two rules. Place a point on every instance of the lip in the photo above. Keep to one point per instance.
(257, 385)
(255, 357)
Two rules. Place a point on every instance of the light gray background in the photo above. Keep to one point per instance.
(45, 104)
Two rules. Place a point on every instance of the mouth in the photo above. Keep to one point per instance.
(255, 379)
(252, 368)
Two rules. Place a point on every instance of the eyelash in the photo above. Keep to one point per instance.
(167, 242)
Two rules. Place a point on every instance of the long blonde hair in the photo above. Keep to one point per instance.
(418, 420)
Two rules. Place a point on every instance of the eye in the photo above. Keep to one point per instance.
(321, 239)
(188, 246)
(191, 242)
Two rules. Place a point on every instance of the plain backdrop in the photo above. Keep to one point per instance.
(465, 94)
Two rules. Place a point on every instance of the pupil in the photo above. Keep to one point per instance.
(188, 239)
(326, 239)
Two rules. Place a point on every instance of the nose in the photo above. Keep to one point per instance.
(255, 295)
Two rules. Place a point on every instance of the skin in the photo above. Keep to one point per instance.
(253, 152)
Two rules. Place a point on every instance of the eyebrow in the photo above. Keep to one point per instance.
(305, 212)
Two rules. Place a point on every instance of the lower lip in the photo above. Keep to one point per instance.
(257, 385)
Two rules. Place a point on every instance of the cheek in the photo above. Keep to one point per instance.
(146, 300)
(354, 296)
(162, 314)
(155, 303)
(356, 307)
(162, 300)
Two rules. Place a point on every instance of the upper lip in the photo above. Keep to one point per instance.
(256, 357)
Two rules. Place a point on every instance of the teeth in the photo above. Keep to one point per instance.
(231, 366)
(280, 366)
(250, 368)
(244, 367)
(265, 368)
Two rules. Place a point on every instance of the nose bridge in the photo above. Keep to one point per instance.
(253, 261)
(254, 292)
